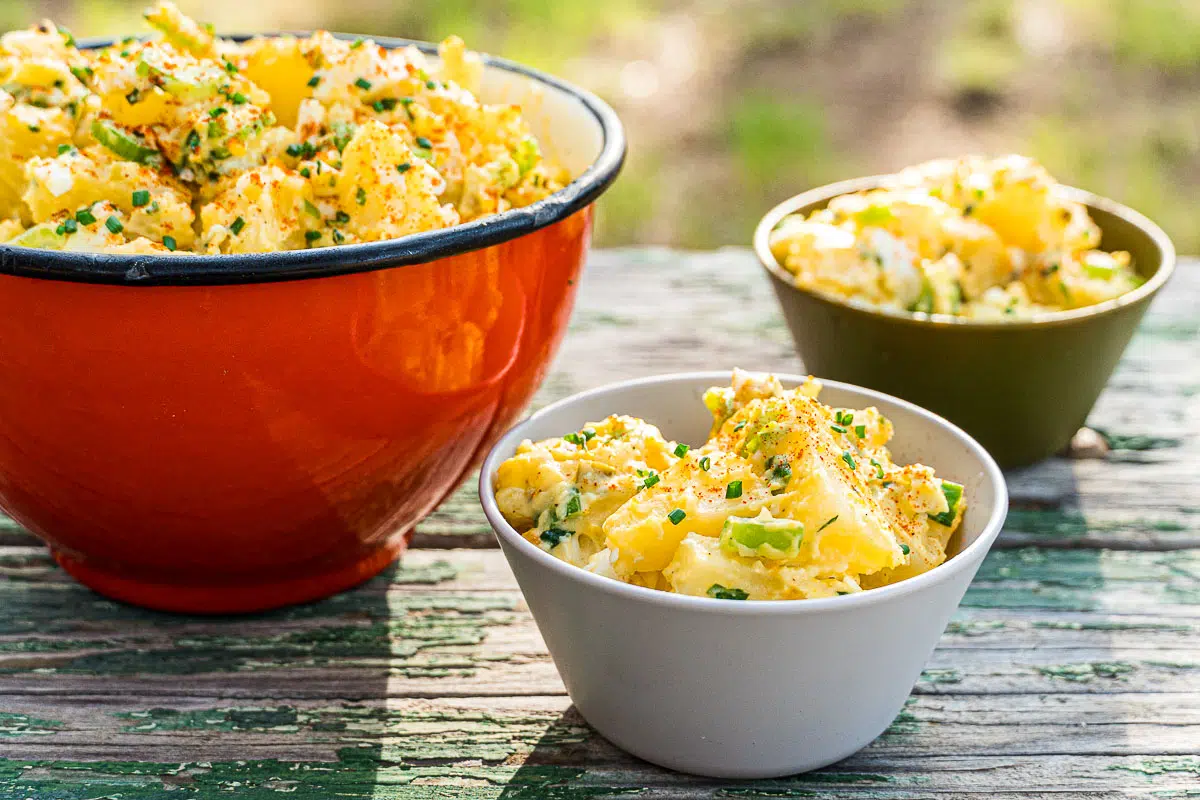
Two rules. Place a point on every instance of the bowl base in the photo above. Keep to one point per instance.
(231, 599)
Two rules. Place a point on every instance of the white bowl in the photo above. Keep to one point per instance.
(749, 689)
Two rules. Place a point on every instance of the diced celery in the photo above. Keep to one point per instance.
(179, 30)
(1100, 265)
(43, 237)
(123, 144)
(527, 154)
(953, 492)
(924, 301)
(775, 539)
(873, 215)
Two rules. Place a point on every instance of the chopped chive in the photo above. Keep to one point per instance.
(311, 236)
(114, 225)
(314, 81)
(424, 143)
(838, 428)
(403, 168)
(849, 459)
(238, 99)
(85, 216)
(877, 466)
(218, 111)
(574, 504)
(363, 84)
(860, 431)
(575, 439)
(338, 238)
(739, 426)
(677, 516)
(64, 148)
(357, 44)
(733, 490)
(230, 67)
(828, 522)
(905, 549)
(311, 209)
(141, 198)
(650, 480)
(69, 225)
(169, 243)
(192, 142)
(306, 172)
(719, 592)
(238, 225)
(341, 217)
(552, 536)
(430, 84)
(132, 97)
(681, 450)
(361, 196)
(588, 434)
(705, 463)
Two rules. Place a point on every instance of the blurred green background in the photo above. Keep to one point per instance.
(733, 106)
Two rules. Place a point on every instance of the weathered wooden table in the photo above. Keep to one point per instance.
(1072, 668)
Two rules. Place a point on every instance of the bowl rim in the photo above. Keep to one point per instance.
(829, 191)
(198, 269)
(963, 560)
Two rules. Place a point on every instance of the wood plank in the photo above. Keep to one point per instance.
(452, 623)
(541, 747)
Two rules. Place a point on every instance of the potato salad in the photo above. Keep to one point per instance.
(788, 499)
(984, 238)
(187, 142)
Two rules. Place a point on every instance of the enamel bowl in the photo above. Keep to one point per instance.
(234, 433)
(749, 689)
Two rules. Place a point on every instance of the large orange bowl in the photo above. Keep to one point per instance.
(234, 433)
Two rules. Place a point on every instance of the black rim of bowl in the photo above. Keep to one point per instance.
(419, 248)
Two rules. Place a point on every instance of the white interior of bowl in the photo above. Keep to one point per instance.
(673, 403)
(567, 130)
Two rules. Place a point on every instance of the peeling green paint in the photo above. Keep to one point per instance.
(1056, 524)
(977, 627)
(39, 608)
(430, 622)
(1083, 580)
(1085, 672)
(357, 773)
(1137, 441)
(1109, 625)
(1163, 764)
(905, 722)
(941, 676)
(13, 725)
(1173, 664)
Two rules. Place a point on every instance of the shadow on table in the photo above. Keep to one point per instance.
(221, 691)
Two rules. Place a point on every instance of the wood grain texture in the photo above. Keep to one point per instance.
(1072, 669)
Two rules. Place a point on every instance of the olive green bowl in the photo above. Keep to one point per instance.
(1022, 388)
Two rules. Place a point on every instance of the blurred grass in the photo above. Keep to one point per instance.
(732, 106)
